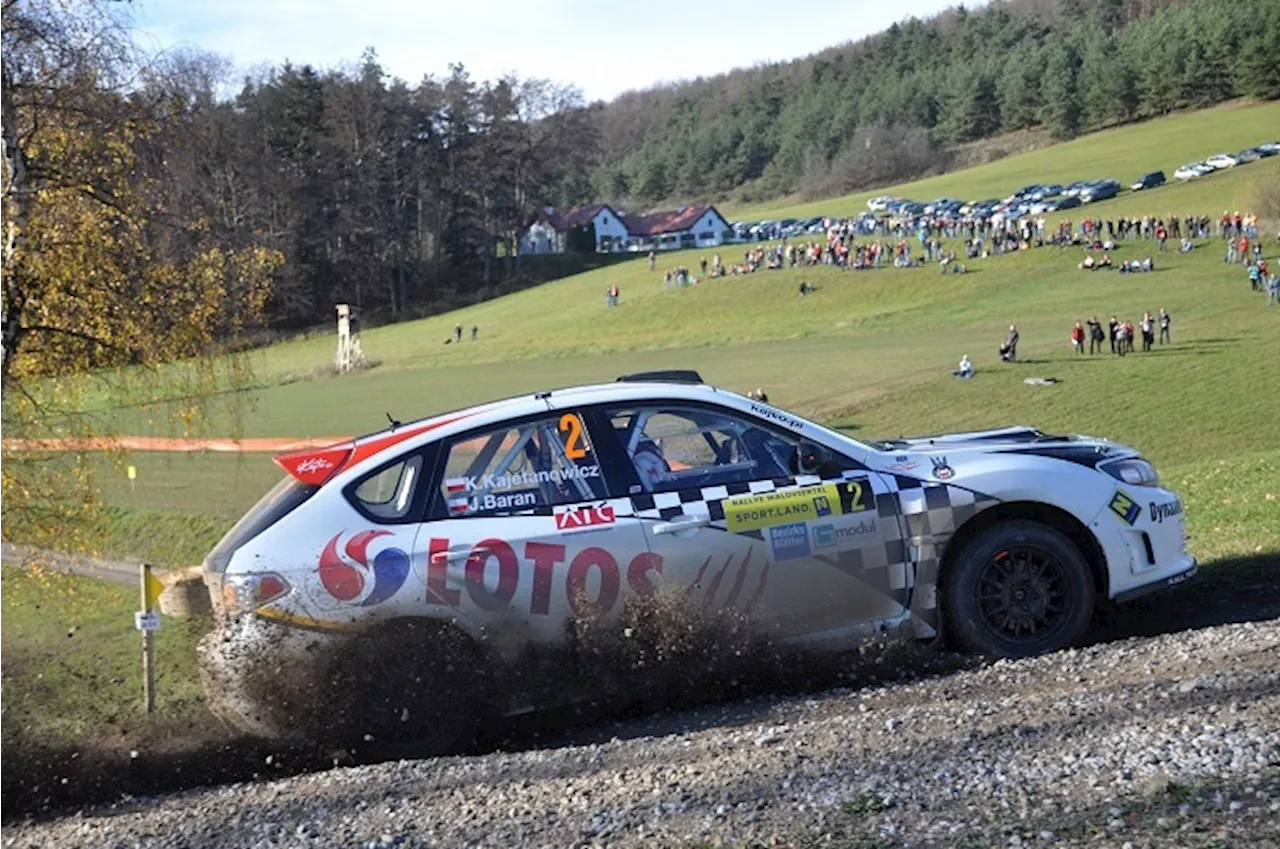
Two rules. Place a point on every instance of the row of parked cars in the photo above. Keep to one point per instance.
(1034, 199)
(1219, 161)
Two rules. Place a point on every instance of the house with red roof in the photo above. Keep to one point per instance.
(684, 227)
(609, 231)
(550, 232)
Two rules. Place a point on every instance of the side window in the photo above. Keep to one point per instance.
(520, 467)
(676, 447)
(387, 494)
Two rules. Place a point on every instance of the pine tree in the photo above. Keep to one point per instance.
(1062, 108)
(1258, 67)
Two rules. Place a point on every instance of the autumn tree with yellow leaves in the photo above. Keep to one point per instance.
(108, 273)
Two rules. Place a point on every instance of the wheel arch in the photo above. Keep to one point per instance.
(1055, 517)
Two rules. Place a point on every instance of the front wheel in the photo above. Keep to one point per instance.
(1019, 588)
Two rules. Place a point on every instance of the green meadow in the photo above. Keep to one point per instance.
(869, 353)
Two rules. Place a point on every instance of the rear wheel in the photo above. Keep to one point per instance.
(1019, 588)
(411, 684)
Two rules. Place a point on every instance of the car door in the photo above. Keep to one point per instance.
(731, 525)
(521, 533)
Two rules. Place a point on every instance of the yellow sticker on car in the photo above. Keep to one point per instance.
(767, 509)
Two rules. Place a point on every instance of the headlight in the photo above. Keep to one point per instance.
(1134, 471)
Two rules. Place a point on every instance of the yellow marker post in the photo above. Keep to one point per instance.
(148, 622)
(133, 476)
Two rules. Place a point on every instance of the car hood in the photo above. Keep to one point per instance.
(1019, 439)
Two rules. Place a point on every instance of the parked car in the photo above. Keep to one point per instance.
(816, 225)
(1064, 203)
(880, 204)
(1191, 170)
(1148, 181)
(1051, 190)
(1268, 148)
(1249, 154)
(1073, 189)
(412, 580)
(942, 205)
(787, 226)
(1100, 190)
(1222, 160)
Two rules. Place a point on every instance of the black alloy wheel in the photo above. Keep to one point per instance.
(1016, 589)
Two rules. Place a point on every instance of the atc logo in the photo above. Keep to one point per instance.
(346, 581)
(581, 518)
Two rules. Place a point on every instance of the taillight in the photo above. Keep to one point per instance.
(249, 592)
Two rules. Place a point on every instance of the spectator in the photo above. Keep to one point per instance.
(702, 261)
(965, 371)
(1009, 350)
(1122, 338)
(457, 333)
(1077, 338)
(1095, 335)
(1148, 331)
(475, 331)
(1164, 326)
(1113, 333)
(805, 288)
(1255, 279)
(1273, 290)
(653, 260)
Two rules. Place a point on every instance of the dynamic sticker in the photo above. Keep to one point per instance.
(1125, 507)
(346, 581)
(1160, 512)
(789, 541)
(766, 509)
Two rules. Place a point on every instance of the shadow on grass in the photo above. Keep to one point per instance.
(1236, 589)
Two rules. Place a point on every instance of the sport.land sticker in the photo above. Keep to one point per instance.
(767, 509)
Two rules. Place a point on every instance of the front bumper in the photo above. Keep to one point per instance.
(1162, 583)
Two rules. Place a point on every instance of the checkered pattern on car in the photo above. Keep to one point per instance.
(930, 513)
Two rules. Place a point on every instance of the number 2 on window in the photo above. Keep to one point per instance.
(572, 426)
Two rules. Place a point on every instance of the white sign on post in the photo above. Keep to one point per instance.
(146, 621)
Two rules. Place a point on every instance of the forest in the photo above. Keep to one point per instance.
(407, 197)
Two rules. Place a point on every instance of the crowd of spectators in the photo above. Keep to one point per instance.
(910, 241)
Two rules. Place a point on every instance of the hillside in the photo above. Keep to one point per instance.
(869, 351)
(891, 106)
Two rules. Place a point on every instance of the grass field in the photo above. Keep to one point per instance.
(869, 352)
(1123, 153)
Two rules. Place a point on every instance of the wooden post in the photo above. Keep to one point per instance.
(148, 670)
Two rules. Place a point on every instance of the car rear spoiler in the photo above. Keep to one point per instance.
(315, 466)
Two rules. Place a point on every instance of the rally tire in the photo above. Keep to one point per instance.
(410, 686)
(1017, 589)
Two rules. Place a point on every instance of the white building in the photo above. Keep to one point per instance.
(686, 227)
(549, 232)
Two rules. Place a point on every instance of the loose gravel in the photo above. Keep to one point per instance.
(1171, 740)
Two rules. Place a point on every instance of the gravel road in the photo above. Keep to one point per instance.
(1171, 740)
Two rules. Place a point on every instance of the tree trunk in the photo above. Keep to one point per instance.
(16, 202)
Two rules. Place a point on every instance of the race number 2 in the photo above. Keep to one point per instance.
(571, 426)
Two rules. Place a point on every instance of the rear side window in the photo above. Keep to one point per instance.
(387, 494)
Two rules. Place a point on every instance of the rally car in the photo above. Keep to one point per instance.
(397, 583)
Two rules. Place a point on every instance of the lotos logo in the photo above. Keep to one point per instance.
(346, 581)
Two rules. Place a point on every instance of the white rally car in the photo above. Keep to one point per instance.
(404, 577)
